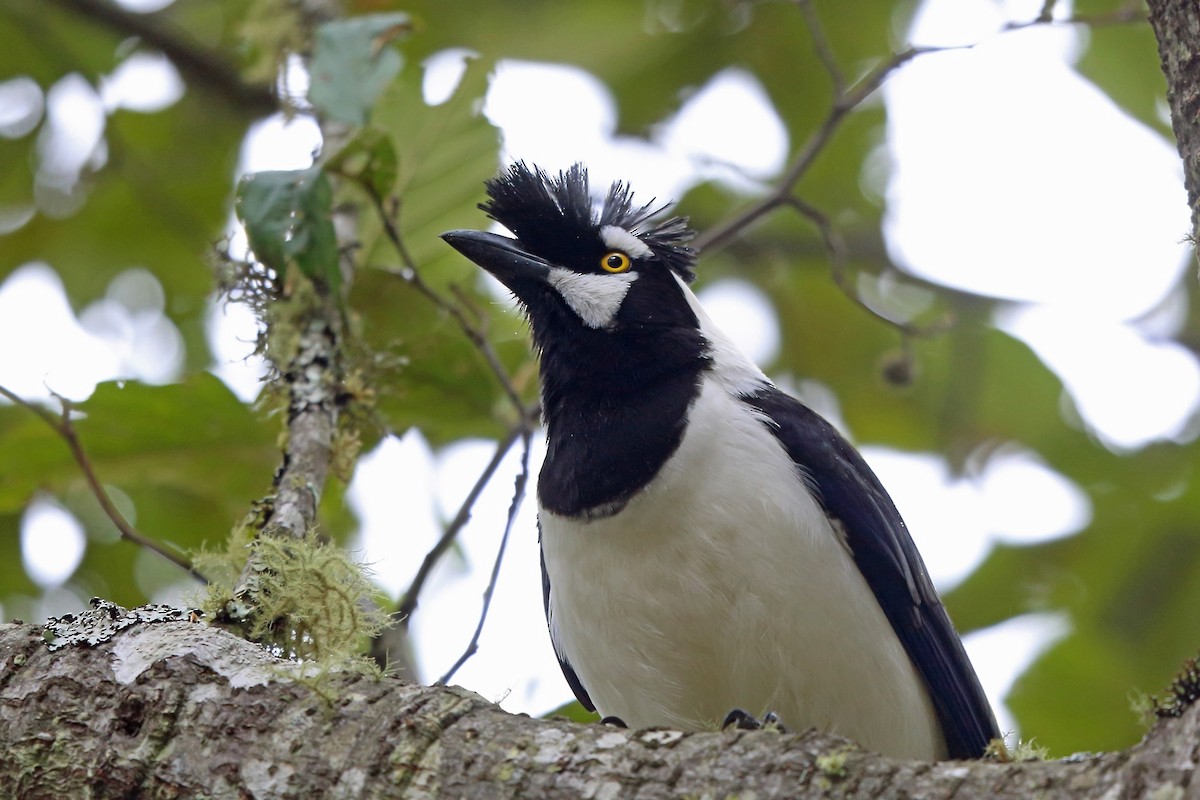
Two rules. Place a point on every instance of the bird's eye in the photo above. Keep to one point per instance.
(616, 261)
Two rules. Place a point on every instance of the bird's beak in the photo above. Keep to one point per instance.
(500, 256)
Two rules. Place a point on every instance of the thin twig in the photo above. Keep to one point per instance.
(65, 429)
(513, 508)
(843, 104)
(841, 276)
(822, 46)
(847, 99)
(409, 604)
(411, 275)
(1129, 13)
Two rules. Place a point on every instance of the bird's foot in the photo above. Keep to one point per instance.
(740, 720)
(616, 722)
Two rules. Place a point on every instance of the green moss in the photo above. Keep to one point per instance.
(308, 598)
(1022, 750)
(833, 765)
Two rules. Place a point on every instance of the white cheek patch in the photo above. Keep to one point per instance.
(595, 298)
(626, 242)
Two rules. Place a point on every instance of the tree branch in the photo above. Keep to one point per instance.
(63, 426)
(1176, 25)
(199, 65)
(843, 104)
(182, 710)
(475, 333)
(409, 604)
(513, 508)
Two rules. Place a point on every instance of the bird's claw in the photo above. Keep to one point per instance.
(740, 720)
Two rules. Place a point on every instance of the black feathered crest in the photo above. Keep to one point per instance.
(555, 217)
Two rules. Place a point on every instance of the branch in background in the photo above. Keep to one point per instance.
(821, 44)
(847, 99)
(1128, 13)
(201, 66)
(63, 427)
(409, 604)
(475, 332)
(843, 103)
(513, 507)
(842, 278)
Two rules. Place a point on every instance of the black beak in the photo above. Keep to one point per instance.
(500, 256)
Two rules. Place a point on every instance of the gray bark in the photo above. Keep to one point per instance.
(1176, 25)
(181, 710)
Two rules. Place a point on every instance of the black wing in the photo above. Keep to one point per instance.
(568, 671)
(888, 559)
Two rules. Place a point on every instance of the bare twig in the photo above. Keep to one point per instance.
(841, 276)
(822, 46)
(1130, 12)
(843, 104)
(409, 604)
(846, 99)
(515, 506)
(411, 275)
(64, 428)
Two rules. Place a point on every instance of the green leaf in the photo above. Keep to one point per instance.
(287, 215)
(573, 711)
(368, 159)
(194, 436)
(352, 62)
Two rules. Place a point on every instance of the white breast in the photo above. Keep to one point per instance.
(722, 585)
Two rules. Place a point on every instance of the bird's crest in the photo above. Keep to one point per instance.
(554, 216)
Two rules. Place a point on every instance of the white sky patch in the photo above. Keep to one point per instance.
(130, 319)
(1004, 185)
(49, 350)
(52, 543)
(1002, 652)
(21, 106)
(746, 315)
(729, 129)
(444, 70)
(145, 6)
(73, 132)
(955, 520)
(145, 82)
(232, 331)
(392, 495)
(279, 143)
(938, 509)
(516, 664)
(595, 298)
(1025, 501)
(623, 240)
(1128, 390)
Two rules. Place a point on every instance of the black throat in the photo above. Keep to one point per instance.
(615, 405)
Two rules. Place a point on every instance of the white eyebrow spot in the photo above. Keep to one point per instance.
(623, 240)
(595, 298)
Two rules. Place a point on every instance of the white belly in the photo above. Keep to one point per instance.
(722, 586)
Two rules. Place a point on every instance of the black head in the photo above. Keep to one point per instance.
(573, 265)
(605, 291)
(556, 219)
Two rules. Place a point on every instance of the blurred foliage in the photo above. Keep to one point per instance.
(185, 460)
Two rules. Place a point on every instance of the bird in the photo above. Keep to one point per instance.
(711, 548)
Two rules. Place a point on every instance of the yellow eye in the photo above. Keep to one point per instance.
(616, 261)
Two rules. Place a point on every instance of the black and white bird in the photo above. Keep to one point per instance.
(708, 542)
